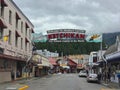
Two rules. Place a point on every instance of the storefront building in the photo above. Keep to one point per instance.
(53, 66)
(66, 65)
(42, 65)
(15, 41)
(113, 60)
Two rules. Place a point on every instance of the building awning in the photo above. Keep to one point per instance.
(113, 57)
(3, 3)
(52, 61)
(44, 63)
(9, 57)
(67, 67)
(40, 61)
(71, 62)
(2, 23)
(17, 34)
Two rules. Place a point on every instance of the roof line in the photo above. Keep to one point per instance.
(20, 11)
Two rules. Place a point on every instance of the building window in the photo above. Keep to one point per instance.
(16, 23)
(26, 46)
(10, 17)
(26, 29)
(21, 27)
(16, 41)
(9, 39)
(2, 11)
(21, 43)
(1, 33)
(26, 32)
(30, 34)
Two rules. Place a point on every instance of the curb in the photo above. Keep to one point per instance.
(17, 87)
(23, 88)
(111, 86)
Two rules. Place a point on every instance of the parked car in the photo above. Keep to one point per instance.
(82, 73)
(92, 77)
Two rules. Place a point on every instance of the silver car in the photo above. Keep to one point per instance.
(82, 73)
(92, 78)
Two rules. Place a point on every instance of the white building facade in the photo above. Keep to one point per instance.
(47, 53)
(15, 40)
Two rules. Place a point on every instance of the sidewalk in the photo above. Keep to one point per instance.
(111, 85)
(14, 85)
(21, 83)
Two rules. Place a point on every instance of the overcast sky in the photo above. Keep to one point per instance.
(94, 16)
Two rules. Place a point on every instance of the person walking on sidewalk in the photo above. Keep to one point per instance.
(99, 77)
(12, 75)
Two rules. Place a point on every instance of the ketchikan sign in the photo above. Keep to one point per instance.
(66, 35)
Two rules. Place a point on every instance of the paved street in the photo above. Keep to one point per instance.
(58, 82)
(63, 82)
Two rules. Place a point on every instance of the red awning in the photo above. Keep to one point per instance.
(71, 62)
(17, 34)
(52, 61)
(3, 3)
(2, 24)
(79, 65)
(17, 16)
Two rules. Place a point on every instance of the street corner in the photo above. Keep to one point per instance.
(24, 87)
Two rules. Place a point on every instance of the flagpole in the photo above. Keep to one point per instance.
(102, 58)
(101, 49)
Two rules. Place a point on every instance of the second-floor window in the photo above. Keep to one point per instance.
(2, 11)
(10, 17)
(26, 46)
(9, 39)
(1, 33)
(21, 43)
(17, 23)
(16, 41)
(21, 27)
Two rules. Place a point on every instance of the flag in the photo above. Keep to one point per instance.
(94, 38)
(5, 38)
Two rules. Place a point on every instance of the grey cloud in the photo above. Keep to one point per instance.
(92, 15)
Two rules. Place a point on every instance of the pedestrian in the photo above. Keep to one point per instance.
(99, 77)
(87, 72)
(108, 75)
(12, 75)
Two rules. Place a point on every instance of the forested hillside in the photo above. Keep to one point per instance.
(69, 48)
